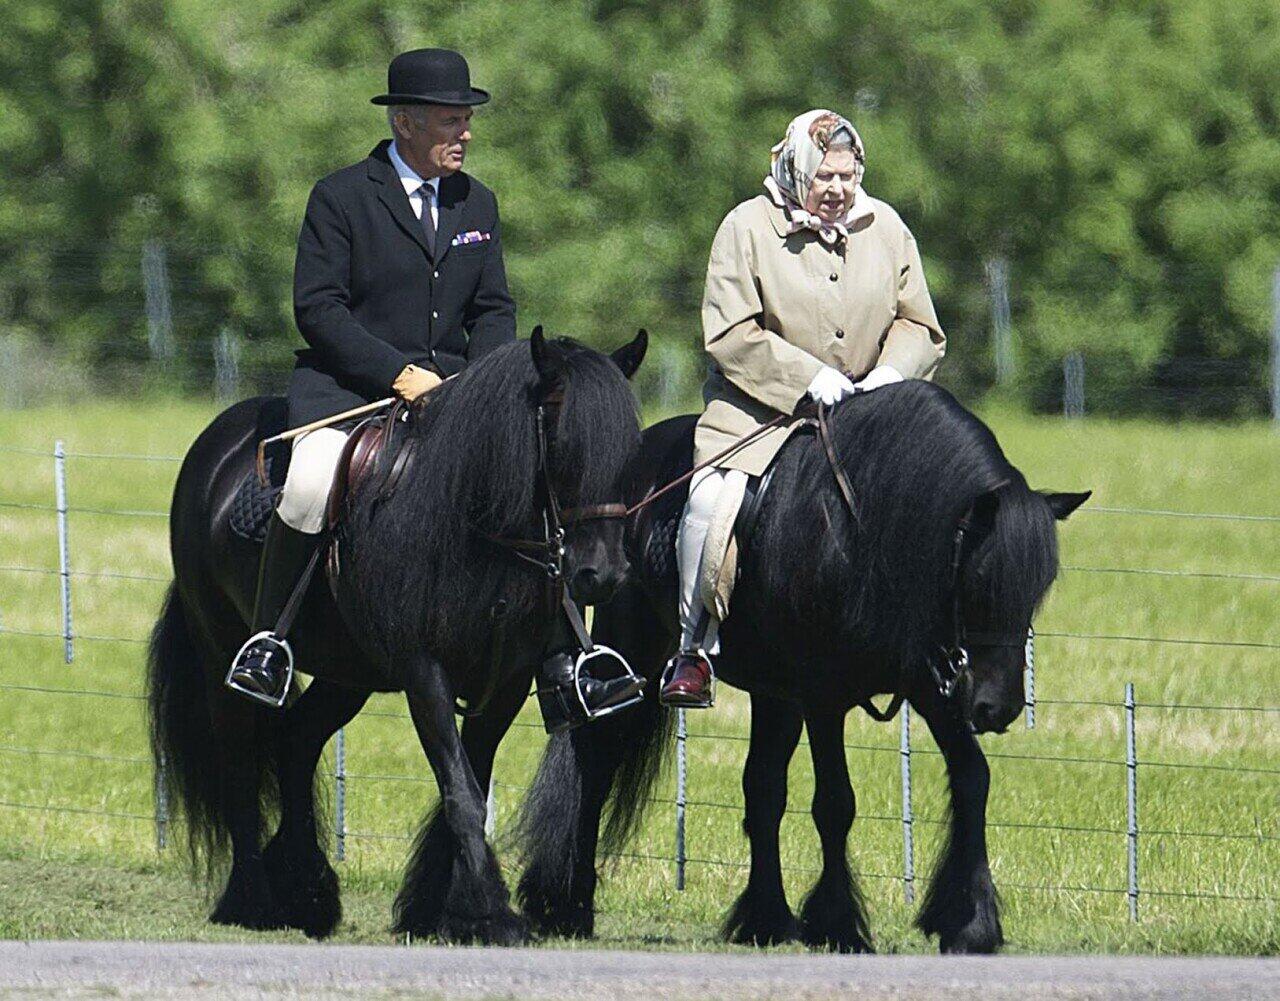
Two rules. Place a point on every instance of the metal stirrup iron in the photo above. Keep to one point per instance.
(596, 651)
(276, 637)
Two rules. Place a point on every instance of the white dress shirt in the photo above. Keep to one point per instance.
(413, 182)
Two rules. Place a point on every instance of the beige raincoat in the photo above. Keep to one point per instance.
(778, 307)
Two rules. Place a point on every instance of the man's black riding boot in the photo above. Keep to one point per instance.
(567, 702)
(261, 670)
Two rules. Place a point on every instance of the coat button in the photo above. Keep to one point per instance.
(839, 331)
(435, 274)
(436, 316)
(835, 277)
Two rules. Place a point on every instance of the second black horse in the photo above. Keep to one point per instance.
(921, 584)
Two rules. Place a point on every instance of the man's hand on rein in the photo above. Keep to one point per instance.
(414, 382)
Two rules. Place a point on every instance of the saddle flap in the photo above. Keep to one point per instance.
(358, 458)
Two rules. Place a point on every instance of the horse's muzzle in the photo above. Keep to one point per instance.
(590, 586)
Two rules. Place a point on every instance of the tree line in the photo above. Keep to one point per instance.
(1117, 158)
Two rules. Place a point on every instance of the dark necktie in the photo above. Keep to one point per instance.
(428, 226)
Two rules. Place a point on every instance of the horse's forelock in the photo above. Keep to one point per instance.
(597, 430)
(1018, 561)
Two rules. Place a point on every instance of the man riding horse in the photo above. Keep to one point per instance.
(399, 283)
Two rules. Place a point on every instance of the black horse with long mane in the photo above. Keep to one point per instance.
(428, 601)
(921, 584)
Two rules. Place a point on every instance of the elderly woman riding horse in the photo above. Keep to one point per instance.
(811, 284)
(891, 549)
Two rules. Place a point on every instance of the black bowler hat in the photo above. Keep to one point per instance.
(430, 76)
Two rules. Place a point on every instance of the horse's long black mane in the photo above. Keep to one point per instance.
(918, 462)
(425, 575)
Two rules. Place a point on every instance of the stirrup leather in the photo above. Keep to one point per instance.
(278, 644)
(671, 666)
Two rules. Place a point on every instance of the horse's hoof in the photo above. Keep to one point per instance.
(501, 928)
(247, 902)
(836, 941)
(975, 939)
(306, 887)
(751, 923)
(832, 918)
(567, 922)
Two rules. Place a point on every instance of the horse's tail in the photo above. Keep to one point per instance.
(607, 764)
(183, 742)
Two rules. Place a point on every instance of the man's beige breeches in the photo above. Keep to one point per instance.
(306, 487)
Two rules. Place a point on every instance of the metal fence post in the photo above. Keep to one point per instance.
(162, 804)
(996, 270)
(1073, 385)
(682, 736)
(226, 366)
(908, 840)
(1029, 679)
(1275, 348)
(64, 546)
(1131, 761)
(158, 300)
(340, 794)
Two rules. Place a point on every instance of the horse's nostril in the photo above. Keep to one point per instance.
(587, 577)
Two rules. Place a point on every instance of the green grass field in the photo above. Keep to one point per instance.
(97, 873)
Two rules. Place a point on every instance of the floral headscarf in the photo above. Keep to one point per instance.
(796, 159)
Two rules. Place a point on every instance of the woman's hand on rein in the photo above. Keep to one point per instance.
(881, 375)
(830, 386)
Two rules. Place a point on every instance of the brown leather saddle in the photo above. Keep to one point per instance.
(376, 444)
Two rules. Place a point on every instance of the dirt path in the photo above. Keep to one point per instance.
(172, 970)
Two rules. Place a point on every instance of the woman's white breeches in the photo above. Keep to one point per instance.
(700, 513)
(306, 487)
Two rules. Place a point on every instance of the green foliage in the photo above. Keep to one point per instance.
(1122, 156)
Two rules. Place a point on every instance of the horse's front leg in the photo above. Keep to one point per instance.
(453, 887)
(833, 915)
(761, 915)
(961, 906)
(302, 880)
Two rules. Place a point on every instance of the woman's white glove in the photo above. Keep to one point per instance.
(829, 386)
(878, 376)
(881, 375)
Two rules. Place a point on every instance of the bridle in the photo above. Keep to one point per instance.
(951, 661)
(546, 555)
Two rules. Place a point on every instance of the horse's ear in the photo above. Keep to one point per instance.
(1063, 504)
(630, 355)
(545, 358)
(984, 510)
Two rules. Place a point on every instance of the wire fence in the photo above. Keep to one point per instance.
(1127, 769)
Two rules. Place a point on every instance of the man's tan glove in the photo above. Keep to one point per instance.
(413, 382)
